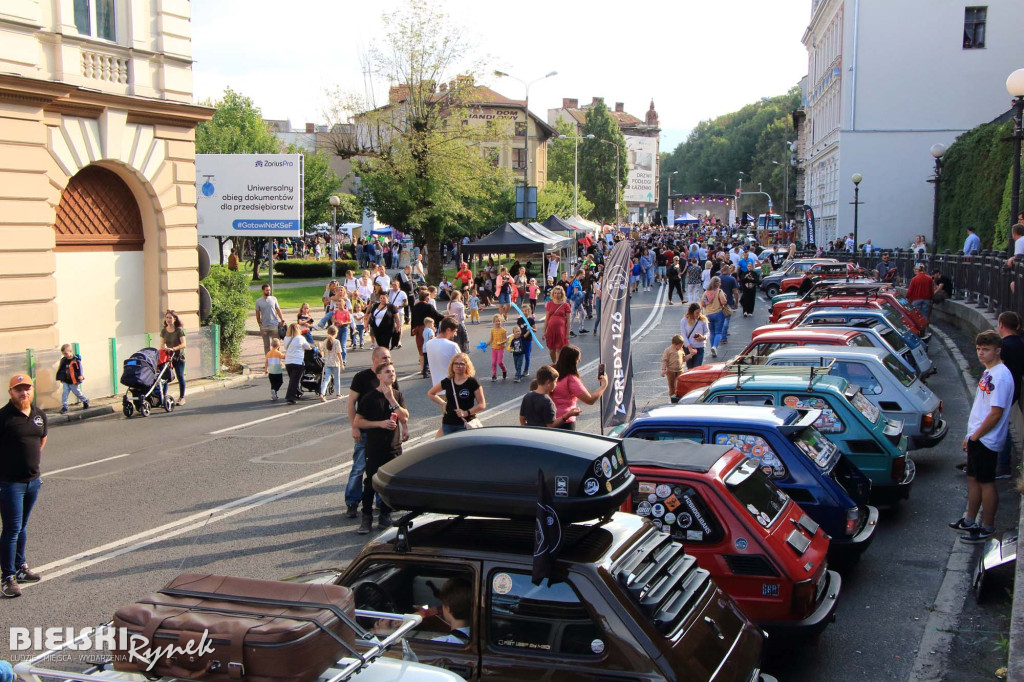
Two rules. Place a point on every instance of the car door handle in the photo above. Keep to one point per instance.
(711, 621)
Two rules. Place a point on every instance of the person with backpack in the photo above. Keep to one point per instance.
(69, 374)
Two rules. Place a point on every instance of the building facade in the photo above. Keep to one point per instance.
(642, 142)
(97, 171)
(886, 81)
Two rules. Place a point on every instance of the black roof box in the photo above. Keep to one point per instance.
(493, 472)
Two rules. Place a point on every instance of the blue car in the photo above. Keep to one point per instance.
(791, 451)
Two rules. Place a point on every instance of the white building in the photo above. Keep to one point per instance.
(885, 81)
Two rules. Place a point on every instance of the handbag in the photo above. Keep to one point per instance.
(473, 422)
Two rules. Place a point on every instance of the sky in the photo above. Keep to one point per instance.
(696, 59)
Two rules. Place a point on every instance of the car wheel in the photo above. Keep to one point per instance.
(772, 290)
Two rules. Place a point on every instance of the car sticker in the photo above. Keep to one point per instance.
(663, 491)
(741, 544)
(770, 590)
(646, 488)
(778, 471)
(684, 520)
(618, 456)
(502, 583)
(643, 509)
(597, 646)
(767, 471)
(658, 510)
(561, 486)
(657, 523)
(757, 450)
(677, 491)
(652, 498)
(677, 534)
(672, 502)
(670, 518)
(694, 535)
(606, 467)
(591, 486)
(608, 485)
(597, 467)
(791, 401)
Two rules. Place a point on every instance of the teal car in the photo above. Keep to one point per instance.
(874, 443)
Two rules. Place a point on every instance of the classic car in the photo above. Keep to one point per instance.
(771, 283)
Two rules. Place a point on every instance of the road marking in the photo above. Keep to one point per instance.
(116, 548)
(87, 464)
(265, 419)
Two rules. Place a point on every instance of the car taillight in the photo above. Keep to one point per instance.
(853, 521)
(805, 594)
(899, 468)
(927, 423)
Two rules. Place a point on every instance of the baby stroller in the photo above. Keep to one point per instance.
(146, 374)
(313, 372)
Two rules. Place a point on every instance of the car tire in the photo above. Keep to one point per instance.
(772, 290)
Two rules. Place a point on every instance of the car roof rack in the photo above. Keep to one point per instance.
(811, 373)
(35, 670)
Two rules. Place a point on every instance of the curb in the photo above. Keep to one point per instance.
(200, 386)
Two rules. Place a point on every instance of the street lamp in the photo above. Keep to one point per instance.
(526, 111)
(335, 201)
(937, 151)
(1015, 86)
(616, 145)
(725, 188)
(669, 195)
(575, 168)
(739, 193)
(856, 177)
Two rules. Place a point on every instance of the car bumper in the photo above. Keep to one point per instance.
(888, 495)
(842, 551)
(932, 439)
(814, 624)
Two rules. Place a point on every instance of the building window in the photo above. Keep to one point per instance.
(95, 18)
(520, 129)
(518, 159)
(493, 156)
(974, 27)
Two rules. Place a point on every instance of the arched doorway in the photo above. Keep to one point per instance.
(100, 267)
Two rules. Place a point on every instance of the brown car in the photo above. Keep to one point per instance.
(623, 601)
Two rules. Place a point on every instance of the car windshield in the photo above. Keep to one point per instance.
(865, 407)
(815, 445)
(893, 364)
(895, 319)
(758, 495)
(860, 340)
(893, 338)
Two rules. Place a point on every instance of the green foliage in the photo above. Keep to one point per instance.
(306, 268)
(556, 199)
(229, 293)
(319, 182)
(975, 188)
(237, 127)
(748, 140)
(597, 161)
(561, 155)
(294, 297)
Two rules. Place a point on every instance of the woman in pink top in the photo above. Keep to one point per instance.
(570, 387)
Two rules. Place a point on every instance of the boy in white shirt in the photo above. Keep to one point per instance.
(987, 430)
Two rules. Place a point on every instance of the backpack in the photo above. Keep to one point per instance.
(576, 294)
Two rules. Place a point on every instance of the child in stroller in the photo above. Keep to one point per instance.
(146, 375)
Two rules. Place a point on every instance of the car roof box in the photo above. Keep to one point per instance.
(493, 472)
(684, 455)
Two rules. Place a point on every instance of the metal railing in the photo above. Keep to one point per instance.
(981, 279)
(102, 360)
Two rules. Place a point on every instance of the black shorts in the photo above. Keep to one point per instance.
(981, 462)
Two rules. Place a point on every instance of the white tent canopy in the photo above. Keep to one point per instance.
(584, 225)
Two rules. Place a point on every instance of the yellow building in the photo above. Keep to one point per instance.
(97, 173)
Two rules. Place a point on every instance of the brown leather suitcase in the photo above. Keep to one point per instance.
(255, 630)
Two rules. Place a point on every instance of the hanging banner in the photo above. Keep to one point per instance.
(249, 195)
(809, 220)
(617, 403)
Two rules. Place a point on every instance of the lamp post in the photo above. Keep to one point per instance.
(1015, 86)
(669, 195)
(526, 111)
(937, 151)
(856, 177)
(335, 201)
(725, 188)
(575, 168)
(616, 145)
(739, 193)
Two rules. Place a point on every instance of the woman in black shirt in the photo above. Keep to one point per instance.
(381, 415)
(385, 324)
(463, 395)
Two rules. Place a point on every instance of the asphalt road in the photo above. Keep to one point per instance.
(232, 483)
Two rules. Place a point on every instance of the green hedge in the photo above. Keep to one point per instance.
(229, 294)
(305, 268)
(975, 189)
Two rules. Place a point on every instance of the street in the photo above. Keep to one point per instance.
(232, 483)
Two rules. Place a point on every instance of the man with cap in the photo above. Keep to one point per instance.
(22, 438)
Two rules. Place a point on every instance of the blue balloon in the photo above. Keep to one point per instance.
(527, 325)
(482, 346)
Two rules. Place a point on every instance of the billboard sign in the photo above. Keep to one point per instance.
(643, 156)
(249, 195)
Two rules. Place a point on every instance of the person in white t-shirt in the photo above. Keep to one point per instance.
(397, 297)
(553, 266)
(987, 430)
(441, 349)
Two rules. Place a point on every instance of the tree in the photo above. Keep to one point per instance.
(237, 127)
(319, 182)
(561, 154)
(423, 169)
(597, 161)
(557, 199)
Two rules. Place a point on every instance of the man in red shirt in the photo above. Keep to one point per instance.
(464, 275)
(920, 291)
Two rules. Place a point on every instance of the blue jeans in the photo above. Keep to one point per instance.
(358, 332)
(924, 306)
(597, 307)
(342, 338)
(71, 388)
(354, 488)
(527, 349)
(698, 359)
(518, 359)
(725, 326)
(717, 322)
(328, 316)
(451, 428)
(179, 371)
(648, 278)
(16, 501)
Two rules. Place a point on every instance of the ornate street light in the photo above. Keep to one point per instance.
(937, 150)
(335, 201)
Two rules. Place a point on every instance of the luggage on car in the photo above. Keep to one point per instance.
(221, 628)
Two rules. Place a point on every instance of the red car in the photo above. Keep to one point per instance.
(827, 290)
(765, 345)
(821, 271)
(890, 305)
(756, 543)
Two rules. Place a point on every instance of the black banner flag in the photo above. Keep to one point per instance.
(809, 220)
(617, 403)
